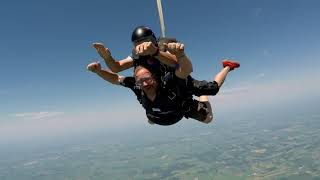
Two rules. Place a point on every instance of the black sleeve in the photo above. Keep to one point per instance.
(130, 82)
(205, 88)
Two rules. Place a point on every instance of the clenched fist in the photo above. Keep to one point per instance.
(146, 48)
(176, 49)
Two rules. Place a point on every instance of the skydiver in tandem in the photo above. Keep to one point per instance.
(147, 50)
(162, 81)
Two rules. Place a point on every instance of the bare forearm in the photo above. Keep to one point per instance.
(105, 53)
(221, 76)
(118, 66)
(167, 59)
(185, 66)
(112, 64)
(108, 76)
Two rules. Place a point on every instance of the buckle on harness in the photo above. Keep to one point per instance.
(173, 95)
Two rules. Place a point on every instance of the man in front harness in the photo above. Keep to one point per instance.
(167, 99)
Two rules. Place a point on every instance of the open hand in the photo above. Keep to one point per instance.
(104, 52)
(94, 67)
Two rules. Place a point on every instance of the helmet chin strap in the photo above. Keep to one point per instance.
(161, 18)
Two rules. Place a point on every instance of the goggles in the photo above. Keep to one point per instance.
(148, 79)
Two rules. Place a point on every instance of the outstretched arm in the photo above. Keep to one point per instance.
(109, 76)
(167, 58)
(114, 65)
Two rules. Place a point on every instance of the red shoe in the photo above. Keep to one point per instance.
(231, 64)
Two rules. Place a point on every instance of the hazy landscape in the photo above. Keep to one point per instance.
(261, 146)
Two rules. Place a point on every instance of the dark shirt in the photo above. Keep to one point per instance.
(166, 109)
(173, 99)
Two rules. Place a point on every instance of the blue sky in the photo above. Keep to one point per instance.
(46, 45)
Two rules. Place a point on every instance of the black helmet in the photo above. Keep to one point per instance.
(141, 33)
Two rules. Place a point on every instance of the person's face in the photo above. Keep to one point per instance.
(145, 80)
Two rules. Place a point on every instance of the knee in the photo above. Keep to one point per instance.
(150, 122)
(208, 120)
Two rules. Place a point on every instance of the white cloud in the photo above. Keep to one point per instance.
(235, 90)
(254, 94)
(38, 115)
(247, 83)
(40, 124)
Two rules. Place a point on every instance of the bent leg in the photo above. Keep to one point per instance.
(200, 110)
(209, 117)
(150, 122)
(228, 65)
(199, 88)
(221, 76)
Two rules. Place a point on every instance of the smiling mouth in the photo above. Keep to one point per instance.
(147, 87)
